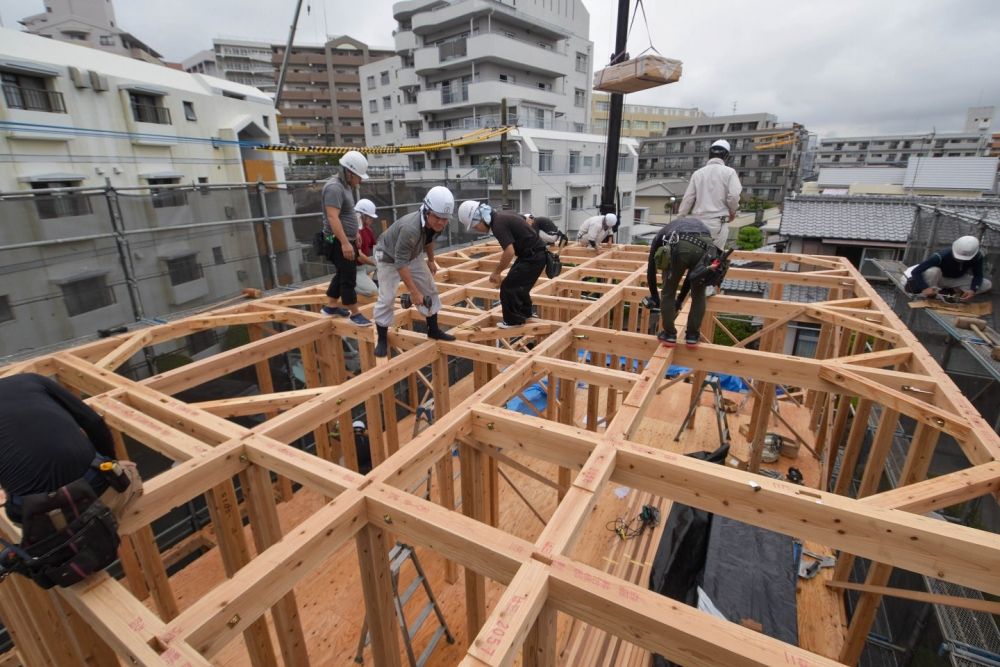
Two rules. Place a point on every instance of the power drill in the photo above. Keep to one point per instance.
(117, 479)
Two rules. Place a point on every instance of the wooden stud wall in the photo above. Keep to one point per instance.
(591, 309)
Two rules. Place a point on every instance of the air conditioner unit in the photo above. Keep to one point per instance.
(79, 78)
(98, 81)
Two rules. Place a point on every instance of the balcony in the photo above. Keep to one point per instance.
(405, 40)
(452, 15)
(484, 92)
(33, 99)
(407, 78)
(150, 113)
(491, 47)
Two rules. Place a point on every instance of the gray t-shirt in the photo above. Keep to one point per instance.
(338, 195)
(404, 240)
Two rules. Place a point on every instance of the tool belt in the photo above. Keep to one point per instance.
(68, 534)
(694, 240)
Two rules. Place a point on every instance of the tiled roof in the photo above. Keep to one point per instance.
(857, 218)
(802, 294)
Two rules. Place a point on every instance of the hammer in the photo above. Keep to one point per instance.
(979, 327)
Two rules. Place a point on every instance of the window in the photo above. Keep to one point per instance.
(107, 40)
(626, 200)
(603, 106)
(267, 122)
(375, 130)
(166, 197)
(388, 127)
(576, 203)
(384, 78)
(544, 160)
(217, 255)
(87, 294)
(184, 269)
(806, 340)
(30, 93)
(594, 201)
(574, 162)
(148, 108)
(371, 82)
(373, 106)
(579, 97)
(553, 207)
(60, 204)
(582, 62)
(190, 114)
(6, 313)
(387, 102)
(588, 161)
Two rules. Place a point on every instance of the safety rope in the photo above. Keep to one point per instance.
(475, 137)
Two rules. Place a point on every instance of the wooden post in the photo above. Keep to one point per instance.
(473, 506)
(376, 581)
(444, 468)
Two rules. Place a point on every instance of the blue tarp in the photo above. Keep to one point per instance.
(727, 382)
(536, 394)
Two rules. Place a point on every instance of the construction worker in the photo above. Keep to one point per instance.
(363, 284)
(518, 239)
(596, 230)
(547, 230)
(340, 228)
(713, 195)
(364, 447)
(405, 252)
(50, 438)
(956, 269)
(681, 246)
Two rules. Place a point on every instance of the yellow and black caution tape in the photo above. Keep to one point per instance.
(474, 137)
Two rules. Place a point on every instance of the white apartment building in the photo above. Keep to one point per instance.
(88, 23)
(455, 61)
(237, 60)
(75, 118)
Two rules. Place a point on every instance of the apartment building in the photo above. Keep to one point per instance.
(638, 120)
(454, 64)
(75, 121)
(89, 23)
(321, 98)
(767, 155)
(896, 150)
(237, 60)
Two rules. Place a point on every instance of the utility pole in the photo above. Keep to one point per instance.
(615, 117)
(504, 159)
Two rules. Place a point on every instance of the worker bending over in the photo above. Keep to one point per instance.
(958, 268)
(363, 283)
(596, 230)
(675, 251)
(519, 240)
(405, 251)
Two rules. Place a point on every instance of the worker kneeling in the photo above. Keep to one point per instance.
(959, 269)
(62, 483)
(680, 249)
(518, 239)
(405, 252)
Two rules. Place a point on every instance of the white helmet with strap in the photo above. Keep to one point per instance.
(356, 163)
(440, 201)
(366, 207)
(471, 212)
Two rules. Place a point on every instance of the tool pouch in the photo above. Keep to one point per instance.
(68, 534)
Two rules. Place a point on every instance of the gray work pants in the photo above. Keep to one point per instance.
(388, 281)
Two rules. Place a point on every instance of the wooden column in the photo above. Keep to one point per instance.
(265, 384)
(444, 468)
(376, 581)
(540, 646)
(473, 506)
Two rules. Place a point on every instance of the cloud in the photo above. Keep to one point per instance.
(841, 68)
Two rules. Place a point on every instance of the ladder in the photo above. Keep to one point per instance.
(397, 558)
(722, 422)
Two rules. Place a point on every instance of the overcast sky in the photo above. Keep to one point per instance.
(839, 67)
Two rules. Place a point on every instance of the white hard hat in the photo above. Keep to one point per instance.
(359, 424)
(471, 212)
(965, 248)
(610, 219)
(720, 143)
(356, 163)
(366, 207)
(439, 200)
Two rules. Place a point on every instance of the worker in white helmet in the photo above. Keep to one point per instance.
(597, 229)
(405, 252)
(957, 270)
(367, 213)
(713, 194)
(340, 229)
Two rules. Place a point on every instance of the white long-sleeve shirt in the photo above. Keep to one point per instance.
(712, 195)
(593, 231)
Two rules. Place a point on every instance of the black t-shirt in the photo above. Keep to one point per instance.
(546, 225)
(48, 436)
(511, 228)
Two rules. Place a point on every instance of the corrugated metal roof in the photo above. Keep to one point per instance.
(847, 176)
(857, 218)
(952, 173)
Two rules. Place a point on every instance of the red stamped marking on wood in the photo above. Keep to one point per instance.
(500, 627)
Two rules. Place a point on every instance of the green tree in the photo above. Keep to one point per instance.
(749, 238)
(740, 327)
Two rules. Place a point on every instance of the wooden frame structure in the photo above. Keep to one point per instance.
(865, 355)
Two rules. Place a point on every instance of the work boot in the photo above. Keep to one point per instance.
(434, 331)
(382, 346)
